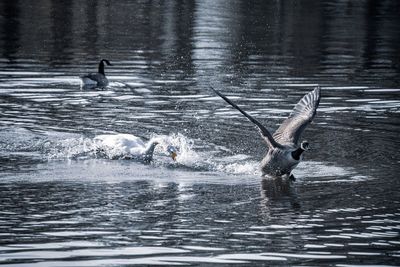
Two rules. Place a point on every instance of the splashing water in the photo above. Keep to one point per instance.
(208, 159)
(247, 167)
(189, 154)
(185, 146)
(71, 148)
(192, 155)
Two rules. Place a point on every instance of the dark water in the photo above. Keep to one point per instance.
(61, 204)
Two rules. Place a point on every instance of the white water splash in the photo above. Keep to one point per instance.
(71, 148)
(186, 153)
(247, 167)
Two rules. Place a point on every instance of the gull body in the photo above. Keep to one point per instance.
(128, 146)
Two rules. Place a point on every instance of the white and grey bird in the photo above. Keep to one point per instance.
(128, 146)
(284, 151)
(98, 79)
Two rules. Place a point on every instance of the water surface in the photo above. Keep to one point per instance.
(64, 204)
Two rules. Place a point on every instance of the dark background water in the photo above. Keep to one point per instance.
(351, 41)
(60, 205)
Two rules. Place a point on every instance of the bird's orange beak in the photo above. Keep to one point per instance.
(173, 156)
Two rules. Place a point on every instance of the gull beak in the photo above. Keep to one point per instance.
(173, 156)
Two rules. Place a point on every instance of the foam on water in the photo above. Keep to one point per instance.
(249, 167)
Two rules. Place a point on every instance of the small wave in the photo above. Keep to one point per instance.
(321, 172)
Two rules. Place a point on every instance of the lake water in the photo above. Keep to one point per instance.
(63, 204)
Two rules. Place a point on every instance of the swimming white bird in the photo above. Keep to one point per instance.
(98, 79)
(284, 152)
(128, 146)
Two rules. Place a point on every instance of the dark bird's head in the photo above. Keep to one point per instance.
(106, 61)
(305, 145)
(101, 65)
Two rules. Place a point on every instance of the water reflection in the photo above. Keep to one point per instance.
(10, 29)
(132, 220)
(183, 35)
(277, 189)
(61, 29)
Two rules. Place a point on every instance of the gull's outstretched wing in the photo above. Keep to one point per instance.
(303, 113)
(264, 132)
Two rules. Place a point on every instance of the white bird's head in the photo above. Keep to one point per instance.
(172, 151)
